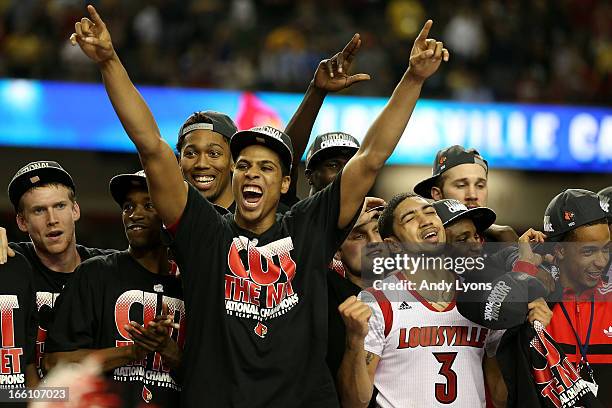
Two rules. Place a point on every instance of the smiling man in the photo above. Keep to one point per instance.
(255, 279)
(415, 335)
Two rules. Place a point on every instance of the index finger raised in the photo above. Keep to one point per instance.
(95, 16)
(425, 31)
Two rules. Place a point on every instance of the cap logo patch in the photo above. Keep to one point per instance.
(34, 179)
(604, 203)
(568, 216)
(442, 160)
(548, 227)
(455, 206)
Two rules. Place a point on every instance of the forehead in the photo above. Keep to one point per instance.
(256, 153)
(462, 226)
(468, 170)
(136, 194)
(593, 233)
(45, 195)
(410, 204)
(367, 221)
(203, 137)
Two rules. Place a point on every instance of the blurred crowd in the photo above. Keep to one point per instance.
(557, 51)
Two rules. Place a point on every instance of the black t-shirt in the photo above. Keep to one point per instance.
(48, 285)
(106, 293)
(258, 320)
(339, 289)
(18, 315)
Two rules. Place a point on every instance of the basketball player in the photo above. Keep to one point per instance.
(412, 344)
(110, 307)
(43, 195)
(257, 280)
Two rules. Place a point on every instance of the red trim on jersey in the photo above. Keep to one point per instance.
(174, 227)
(526, 267)
(385, 306)
(424, 301)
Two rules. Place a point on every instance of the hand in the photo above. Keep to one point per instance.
(539, 310)
(5, 249)
(333, 74)
(526, 254)
(138, 352)
(355, 315)
(156, 336)
(93, 37)
(372, 202)
(426, 55)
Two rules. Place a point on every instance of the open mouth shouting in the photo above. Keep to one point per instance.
(251, 196)
(54, 235)
(430, 235)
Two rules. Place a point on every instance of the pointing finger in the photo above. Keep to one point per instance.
(95, 16)
(425, 31)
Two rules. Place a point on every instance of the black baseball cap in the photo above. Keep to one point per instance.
(450, 210)
(606, 196)
(36, 174)
(268, 136)
(216, 121)
(447, 159)
(571, 209)
(122, 184)
(329, 145)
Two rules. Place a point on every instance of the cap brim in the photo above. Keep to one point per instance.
(121, 184)
(246, 138)
(424, 187)
(328, 152)
(482, 217)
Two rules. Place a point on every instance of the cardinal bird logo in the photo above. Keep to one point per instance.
(442, 160)
(147, 395)
(261, 330)
(568, 216)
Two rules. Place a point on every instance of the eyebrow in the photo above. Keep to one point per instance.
(465, 180)
(423, 208)
(193, 145)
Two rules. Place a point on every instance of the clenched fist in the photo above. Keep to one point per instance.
(355, 315)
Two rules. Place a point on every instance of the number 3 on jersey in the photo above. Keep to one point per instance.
(446, 393)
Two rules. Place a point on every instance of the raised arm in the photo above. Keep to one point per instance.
(360, 172)
(166, 186)
(332, 75)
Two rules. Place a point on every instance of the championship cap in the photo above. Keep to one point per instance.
(447, 159)
(122, 184)
(571, 209)
(36, 174)
(450, 210)
(606, 196)
(267, 136)
(215, 121)
(331, 144)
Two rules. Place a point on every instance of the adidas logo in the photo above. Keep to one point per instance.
(405, 306)
(607, 332)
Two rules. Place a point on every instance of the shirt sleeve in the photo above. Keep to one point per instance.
(75, 316)
(317, 216)
(375, 339)
(492, 342)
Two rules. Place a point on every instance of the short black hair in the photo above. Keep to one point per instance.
(570, 236)
(385, 221)
(196, 117)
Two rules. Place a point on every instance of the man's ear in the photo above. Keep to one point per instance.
(21, 223)
(285, 183)
(308, 174)
(76, 211)
(436, 193)
(337, 256)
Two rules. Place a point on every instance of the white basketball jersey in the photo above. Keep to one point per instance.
(428, 358)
